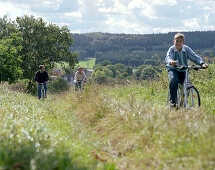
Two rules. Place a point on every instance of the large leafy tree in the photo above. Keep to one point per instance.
(43, 43)
(7, 27)
(10, 48)
(10, 60)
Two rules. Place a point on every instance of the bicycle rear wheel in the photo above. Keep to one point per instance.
(193, 98)
(42, 94)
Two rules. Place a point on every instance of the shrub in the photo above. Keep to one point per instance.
(58, 85)
(99, 77)
(24, 85)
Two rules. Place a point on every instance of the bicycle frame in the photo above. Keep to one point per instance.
(182, 96)
(185, 86)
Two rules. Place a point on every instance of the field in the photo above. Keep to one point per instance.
(108, 127)
(89, 64)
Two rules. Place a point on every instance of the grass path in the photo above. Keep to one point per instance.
(41, 135)
(105, 127)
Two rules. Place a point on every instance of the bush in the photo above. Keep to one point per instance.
(24, 85)
(58, 85)
(99, 77)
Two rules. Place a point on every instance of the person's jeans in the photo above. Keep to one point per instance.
(39, 90)
(175, 77)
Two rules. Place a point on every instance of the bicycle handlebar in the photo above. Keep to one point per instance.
(189, 67)
(41, 83)
(81, 81)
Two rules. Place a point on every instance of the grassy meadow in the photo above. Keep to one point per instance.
(90, 63)
(125, 126)
(87, 64)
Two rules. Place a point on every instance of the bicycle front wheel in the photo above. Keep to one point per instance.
(43, 94)
(193, 98)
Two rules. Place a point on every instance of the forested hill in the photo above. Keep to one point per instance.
(138, 49)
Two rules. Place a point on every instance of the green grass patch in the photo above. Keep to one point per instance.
(88, 64)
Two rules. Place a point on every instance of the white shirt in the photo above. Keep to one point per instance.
(80, 76)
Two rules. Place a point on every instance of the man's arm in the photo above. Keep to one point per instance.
(194, 57)
(47, 77)
(169, 57)
(36, 77)
(76, 76)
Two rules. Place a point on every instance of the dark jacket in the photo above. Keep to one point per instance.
(41, 77)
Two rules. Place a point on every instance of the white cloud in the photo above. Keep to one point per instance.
(76, 14)
(125, 26)
(120, 16)
(192, 23)
(12, 11)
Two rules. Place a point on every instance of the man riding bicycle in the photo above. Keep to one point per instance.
(80, 77)
(178, 54)
(41, 78)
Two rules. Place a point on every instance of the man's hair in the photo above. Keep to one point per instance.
(80, 68)
(179, 35)
(41, 66)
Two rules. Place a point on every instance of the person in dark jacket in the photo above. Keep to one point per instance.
(41, 77)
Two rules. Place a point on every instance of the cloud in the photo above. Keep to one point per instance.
(119, 16)
(77, 14)
(192, 24)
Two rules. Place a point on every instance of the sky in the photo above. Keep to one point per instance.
(118, 16)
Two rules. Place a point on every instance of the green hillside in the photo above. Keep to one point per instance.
(137, 49)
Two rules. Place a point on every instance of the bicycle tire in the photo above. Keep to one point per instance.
(42, 95)
(193, 101)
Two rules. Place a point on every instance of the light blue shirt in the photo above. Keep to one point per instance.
(182, 57)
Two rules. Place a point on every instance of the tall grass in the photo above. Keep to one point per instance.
(36, 135)
(109, 127)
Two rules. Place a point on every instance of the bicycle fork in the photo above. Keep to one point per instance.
(185, 96)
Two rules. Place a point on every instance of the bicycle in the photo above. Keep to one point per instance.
(43, 90)
(187, 94)
(79, 85)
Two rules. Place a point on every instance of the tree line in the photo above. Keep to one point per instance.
(105, 72)
(137, 49)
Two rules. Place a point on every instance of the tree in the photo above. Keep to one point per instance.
(104, 73)
(10, 60)
(105, 63)
(43, 44)
(7, 27)
(148, 72)
(99, 77)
